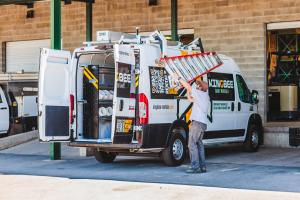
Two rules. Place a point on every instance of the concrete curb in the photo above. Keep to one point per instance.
(15, 140)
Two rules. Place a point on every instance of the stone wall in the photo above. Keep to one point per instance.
(236, 28)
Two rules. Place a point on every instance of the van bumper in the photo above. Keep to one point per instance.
(124, 148)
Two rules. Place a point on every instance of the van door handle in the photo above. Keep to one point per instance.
(121, 104)
(3, 108)
(232, 106)
(239, 106)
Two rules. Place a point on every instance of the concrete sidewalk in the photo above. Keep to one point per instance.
(14, 140)
(14, 187)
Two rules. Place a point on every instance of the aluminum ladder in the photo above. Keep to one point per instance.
(191, 66)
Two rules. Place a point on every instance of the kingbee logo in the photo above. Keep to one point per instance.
(124, 78)
(223, 84)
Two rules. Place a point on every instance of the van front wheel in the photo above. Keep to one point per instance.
(105, 157)
(252, 141)
(174, 154)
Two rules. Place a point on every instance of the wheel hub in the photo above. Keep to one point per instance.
(254, 138)
(177, 149)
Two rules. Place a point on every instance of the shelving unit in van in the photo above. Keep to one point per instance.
(106, 86)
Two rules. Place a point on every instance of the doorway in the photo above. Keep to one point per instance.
(283, 73)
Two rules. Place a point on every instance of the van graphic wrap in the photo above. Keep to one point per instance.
(124, 125)
(221, 86)
(123, 80)
(221, 106)
(160, 85)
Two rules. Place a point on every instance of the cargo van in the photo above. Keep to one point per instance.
(114, 98)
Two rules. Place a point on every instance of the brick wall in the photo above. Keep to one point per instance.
(233, 27)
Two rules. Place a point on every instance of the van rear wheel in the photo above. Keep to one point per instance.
(105, 157)
(175, 153)
(252, 141)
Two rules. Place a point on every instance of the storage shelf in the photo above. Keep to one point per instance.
(106, 118)
(106, 87)
(105, 101)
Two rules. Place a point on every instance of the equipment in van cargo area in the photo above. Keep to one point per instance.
(90, 109)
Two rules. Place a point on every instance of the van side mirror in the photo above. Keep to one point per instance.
(254, 96)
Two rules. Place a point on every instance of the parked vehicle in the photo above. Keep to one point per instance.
(4, 113)
(17, 110)
(140, 112)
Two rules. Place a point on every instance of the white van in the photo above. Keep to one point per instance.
(130, 109)
(4, 113)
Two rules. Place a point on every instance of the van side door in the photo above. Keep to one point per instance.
(222, 95)
(4, 113)
(124, 102)
(244, 107)
(54, 95)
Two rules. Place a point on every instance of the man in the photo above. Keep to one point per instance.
(199, 97)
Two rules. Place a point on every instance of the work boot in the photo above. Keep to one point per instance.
(203, 169)
(193, 170)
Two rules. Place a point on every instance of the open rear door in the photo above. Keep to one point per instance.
(54, 95)
(124, 97)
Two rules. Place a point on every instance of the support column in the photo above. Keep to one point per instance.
(89, 20)
(174, 20)
(55, 148)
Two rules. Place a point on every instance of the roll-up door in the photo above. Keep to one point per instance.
(24, 55)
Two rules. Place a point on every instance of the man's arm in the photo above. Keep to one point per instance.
(186, 85)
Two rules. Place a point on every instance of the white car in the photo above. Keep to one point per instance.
(142, 115)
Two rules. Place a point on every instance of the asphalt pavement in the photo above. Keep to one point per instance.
(230, 167)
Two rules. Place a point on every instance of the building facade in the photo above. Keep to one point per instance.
(246, 30)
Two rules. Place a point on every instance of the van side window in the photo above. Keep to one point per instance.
(244, 92)
(1, 99)
(221, 86)
(160, 85)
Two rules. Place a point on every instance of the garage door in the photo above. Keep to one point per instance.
(24, 55)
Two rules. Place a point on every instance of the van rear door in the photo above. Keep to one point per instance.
(4, 113)
(54, 95)
(124, 97)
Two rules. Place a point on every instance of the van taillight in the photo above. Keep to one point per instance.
(143, 109)
(71, 109)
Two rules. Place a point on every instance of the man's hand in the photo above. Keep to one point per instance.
(174, 76)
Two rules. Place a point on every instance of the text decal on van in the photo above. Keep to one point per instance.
(124, 80)
(221, 86)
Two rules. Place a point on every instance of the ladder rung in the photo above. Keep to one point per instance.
(188, 68)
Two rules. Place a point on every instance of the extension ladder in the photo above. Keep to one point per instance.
(191, 66)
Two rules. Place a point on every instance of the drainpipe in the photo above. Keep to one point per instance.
(174, 20)
(55, 17)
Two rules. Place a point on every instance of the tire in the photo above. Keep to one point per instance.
(253, 137)
(175, 153)
(105, 157)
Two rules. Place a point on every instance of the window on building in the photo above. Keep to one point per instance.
(244, 92)
(283, 71)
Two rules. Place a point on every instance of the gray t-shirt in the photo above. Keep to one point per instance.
(200, 106)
